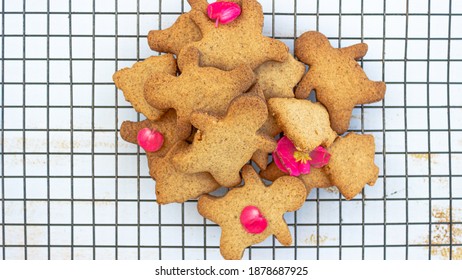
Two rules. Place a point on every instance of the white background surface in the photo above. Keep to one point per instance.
(71, 188)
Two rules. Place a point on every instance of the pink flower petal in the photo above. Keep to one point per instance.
(223, 12)
(285, 160)
(253, 220)
(319, 157)
(279, 163)
(150, 140)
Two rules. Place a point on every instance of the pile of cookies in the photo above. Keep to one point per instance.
(221, 99)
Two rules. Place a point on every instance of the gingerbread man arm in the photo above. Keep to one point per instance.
(155, 98)
(282, 233)
(254, 18)
(203, 121)
(200, 5)
(189, 58)
(305, 87)
(266, 144)
(356, 52)
(202, 21)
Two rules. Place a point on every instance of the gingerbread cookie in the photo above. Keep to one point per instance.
(249, 214)
(278, 79)
(173, 185)
(180, 34)
(223, 145)
(166, 125)
(198, 88)
(351, 165)
(131, 81)
(339, 81)
(304, 122)
(238, 42)
(272, 172)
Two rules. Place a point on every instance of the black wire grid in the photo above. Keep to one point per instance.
(72, 189)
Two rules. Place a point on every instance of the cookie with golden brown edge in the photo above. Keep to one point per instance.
(223, 145)
(286, 194)
(351, 165)
(205, 89)
(339, 81)
(238, 42)
(131, 82)
(180, 34)
(165, 125)
(304, 122)
(173, 185)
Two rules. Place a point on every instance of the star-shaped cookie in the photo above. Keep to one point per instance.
(339, 81)
(223, 145)
(131, 82)
(238, 42)
(286, 194)
(206, 89)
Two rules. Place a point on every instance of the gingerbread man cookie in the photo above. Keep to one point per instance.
(173, 185)
(166, 125)
(249, 214)
(206, 89)
(339, 81)
(239, 42)
(131, 82)
(223, 145)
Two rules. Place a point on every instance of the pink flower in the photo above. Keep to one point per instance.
(253, 220)
(294, 162)
(150, 140)
(319, 157)
(223, 12)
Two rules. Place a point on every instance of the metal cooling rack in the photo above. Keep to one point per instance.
(72, 189)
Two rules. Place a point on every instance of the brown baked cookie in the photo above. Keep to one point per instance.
(180, 34)
(165, 125)
(278, 79)
(351, 165)
(339, 81)
(269, 128)
(316, 179)
(304, 122)
(238, 42)
(171, 185)
(272, 172)
(204, 89)
(131, 81)
(286, 194)
(175, 186)
(223, 145)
